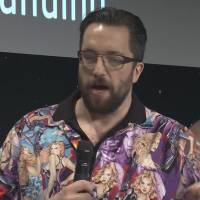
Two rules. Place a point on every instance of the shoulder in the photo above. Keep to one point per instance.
(29, 122)
(39, 116)
(160, 121)
(47, 111)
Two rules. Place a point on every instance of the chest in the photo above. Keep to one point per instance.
(126, 164)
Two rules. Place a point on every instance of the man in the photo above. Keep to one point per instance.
(39, 154)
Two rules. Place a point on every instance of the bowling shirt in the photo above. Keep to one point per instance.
(146, 156)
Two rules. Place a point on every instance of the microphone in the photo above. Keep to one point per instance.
(84, 160)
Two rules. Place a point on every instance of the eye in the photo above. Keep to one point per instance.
(89, 56)
(114, 60)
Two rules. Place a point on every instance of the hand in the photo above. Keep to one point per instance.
(193, 192)
(79, 190)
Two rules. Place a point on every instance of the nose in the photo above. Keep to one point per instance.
(99, 69)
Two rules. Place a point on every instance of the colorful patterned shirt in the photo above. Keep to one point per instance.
(143, 157)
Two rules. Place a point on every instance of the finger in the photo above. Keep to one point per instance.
(188, 131)
(80, 186)
(79, 196)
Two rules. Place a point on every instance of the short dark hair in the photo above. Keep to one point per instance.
(117, 17)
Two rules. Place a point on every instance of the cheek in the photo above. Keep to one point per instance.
(84, 74)
(122, 77)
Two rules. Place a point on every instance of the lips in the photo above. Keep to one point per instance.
(100, 87)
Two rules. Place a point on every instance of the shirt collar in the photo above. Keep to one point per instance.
(65, 111)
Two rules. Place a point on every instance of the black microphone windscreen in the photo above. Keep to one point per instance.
(84, 160)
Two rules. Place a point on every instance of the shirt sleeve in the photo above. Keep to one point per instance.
(191, 166)
(9, 155)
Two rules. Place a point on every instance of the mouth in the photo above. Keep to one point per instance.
(100, 87)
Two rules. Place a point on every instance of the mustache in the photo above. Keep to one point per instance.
(100, 81)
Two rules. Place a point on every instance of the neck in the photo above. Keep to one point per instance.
(100, 124)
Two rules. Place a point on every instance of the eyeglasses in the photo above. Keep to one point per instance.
(110, 61)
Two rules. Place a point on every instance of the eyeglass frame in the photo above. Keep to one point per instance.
(126, 59)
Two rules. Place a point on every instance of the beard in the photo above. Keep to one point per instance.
(108, 104)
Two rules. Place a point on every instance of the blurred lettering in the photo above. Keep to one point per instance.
(49, 8)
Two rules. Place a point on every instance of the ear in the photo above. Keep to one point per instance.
(137, 71)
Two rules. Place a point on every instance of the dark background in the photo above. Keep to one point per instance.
(28, 82)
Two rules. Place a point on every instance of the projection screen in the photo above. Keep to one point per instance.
(51, 27)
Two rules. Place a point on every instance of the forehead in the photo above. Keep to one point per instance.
(101, 37)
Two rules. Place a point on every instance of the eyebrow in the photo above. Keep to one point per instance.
(115, 53)
(105, 52)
